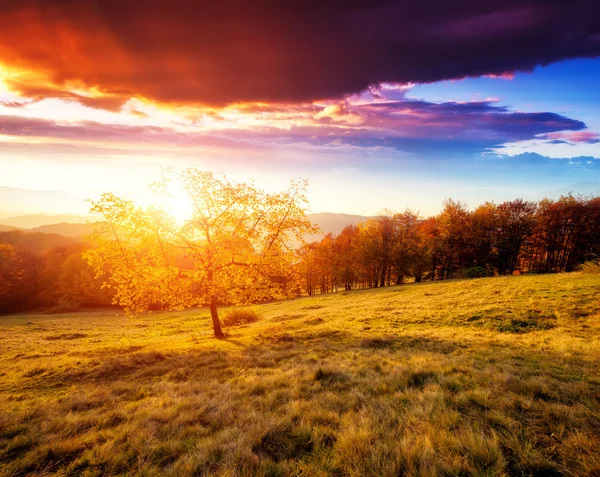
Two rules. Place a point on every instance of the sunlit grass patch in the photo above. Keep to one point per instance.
(372, 382)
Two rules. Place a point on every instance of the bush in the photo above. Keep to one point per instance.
(477, 272)
(419, 379)
(593, 266)
(240, 317)
(64, 305)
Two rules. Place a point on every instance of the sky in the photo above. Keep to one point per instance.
(380, 104)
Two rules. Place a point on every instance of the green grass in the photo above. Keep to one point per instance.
(493, 376)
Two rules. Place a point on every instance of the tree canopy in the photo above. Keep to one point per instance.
(237, 246)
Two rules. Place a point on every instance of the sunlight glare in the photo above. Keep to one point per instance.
(180, 207)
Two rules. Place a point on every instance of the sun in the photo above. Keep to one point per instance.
(180, 207)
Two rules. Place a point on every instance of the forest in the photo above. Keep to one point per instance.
(513, 237)
(57, 274)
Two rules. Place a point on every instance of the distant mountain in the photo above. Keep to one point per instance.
(16, 201)
(74, 226)
(584, 188)
(334, 223)
(65, 229)
(33, 221)
(35, 240)
(6, 228)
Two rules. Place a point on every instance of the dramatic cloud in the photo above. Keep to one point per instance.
(97, 136)
(420, 128)
(101, 53)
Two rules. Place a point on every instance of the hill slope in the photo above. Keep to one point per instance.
(66, 229)
(77, 226)
(335, 223)
(36, 240)
(39, 220)
(332, 223)
(481, 377)
(7, 228)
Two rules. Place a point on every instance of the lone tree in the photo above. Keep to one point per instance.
(236, 247)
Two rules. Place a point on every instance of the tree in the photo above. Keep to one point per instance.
(516, 221)
(78, 285)
(237, 246)
(454, 228)
(347, 257)
(484, 225)
(7, 275)
(381, 235)
(405, 251)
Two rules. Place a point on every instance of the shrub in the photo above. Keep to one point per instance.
(419, 379)
(328, 376)
(477, 272)
(64, 305)
(593, 266)
(284, 442)
(378, 343)
(240, 317)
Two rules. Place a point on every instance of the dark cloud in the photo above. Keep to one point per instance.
(189, 51)
(437, 129)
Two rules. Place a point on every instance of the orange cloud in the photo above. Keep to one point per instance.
(48, 52)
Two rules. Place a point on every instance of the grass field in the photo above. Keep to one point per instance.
(497, 376)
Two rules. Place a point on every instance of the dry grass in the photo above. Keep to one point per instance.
(495, 376)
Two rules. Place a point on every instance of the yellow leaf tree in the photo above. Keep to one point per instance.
(237, 246)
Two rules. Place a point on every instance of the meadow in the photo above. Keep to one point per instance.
(483, 377)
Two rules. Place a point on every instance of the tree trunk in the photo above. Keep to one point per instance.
(215, 320)
(382, 276)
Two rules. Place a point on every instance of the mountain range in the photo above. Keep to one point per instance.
(78, 226)
(24, 202)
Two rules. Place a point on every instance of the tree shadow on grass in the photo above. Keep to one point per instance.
(302, 349)
(237, 343)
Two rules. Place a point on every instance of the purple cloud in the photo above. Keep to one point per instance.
(582, 137)
(417, 127)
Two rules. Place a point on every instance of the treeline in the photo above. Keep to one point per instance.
(46, 271)
(494, 239)
(51, 272)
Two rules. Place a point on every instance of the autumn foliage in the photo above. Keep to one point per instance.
(235, 248)
(494, 239)
(47, 271)
(243, 245)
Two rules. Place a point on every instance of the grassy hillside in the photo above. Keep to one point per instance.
(493, 376)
